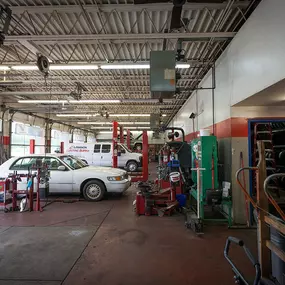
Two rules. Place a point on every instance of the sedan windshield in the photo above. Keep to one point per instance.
(73, 162)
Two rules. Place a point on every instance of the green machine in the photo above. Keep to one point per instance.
(208, 202)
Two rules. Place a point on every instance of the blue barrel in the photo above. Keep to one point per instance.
(278, 266)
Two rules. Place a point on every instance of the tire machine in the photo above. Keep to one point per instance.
(175, 156)
(173, 178)
(207, 202)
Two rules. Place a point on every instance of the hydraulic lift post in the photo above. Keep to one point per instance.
(144, 175)
(129, 139)
(122, 140)
(115, 144)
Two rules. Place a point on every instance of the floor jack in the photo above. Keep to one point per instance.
(150, 201)
(238, 277)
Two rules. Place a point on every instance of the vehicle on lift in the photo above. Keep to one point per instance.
(69, 174)
(100, 154)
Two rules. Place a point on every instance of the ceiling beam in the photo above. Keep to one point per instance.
(33, 48)
(67, 78)
(87, 81)
(108, 8)
(101, 93)
(126, 37)
(109, 42)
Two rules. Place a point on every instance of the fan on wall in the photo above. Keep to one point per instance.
(176, 22)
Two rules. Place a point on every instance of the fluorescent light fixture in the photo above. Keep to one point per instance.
(137, 128)
(126, 123)
(87, 66)
(93, 101)
(182, 65)
(164, 115)
(125, 66)
(70, 101)
(129, 115)
(24, 67)
(4, 67)
(94, 123)
(105, 132)
(100, 128)
(139, 115)
(42, 101)
(73, 67)
(76, 115)
(119, 115)
(138, 66)
(142, 123)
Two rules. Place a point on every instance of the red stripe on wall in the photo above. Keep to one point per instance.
(6, 140)
(239, 127)
(230, 128)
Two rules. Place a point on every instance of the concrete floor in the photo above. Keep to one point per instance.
(106, 243)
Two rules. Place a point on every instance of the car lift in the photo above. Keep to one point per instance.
(140, 176)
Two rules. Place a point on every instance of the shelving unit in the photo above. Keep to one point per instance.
(263, 132)
(272, 133)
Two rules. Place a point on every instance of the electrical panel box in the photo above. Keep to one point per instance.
(162, 74)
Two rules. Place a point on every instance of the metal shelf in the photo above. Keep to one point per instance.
(277, 131)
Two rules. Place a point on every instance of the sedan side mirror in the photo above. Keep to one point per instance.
(61, 168)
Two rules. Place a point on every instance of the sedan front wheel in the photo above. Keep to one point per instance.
(94, 191)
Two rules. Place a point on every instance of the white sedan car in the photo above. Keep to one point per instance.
(69, 174)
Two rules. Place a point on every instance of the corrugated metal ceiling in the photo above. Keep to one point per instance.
(114, 31)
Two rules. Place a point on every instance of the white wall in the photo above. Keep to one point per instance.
(252, 62)
(258, 111)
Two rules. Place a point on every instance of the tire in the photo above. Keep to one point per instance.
(94, 191)
(132, 166)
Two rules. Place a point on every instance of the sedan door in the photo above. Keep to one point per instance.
(61, 181)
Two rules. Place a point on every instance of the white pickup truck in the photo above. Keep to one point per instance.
(101, 154)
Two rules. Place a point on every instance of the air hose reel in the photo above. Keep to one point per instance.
(43, 64)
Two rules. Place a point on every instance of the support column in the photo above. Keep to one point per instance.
(71, 131)
(61, 147)
(32, 146)
(5, 136)
(48, 127)
(85, 137)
